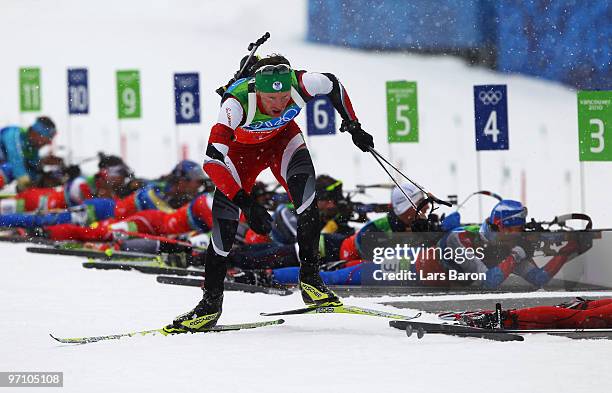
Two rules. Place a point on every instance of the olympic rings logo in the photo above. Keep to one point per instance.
(490, 97)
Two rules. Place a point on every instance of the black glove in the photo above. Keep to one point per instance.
(257, 216)
(361, 139)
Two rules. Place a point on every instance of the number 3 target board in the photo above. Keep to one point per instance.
(186, 98)
(491, 117)
(128, 94)
(78, 91)
(402, 112)
(320, 116)
(595, 125)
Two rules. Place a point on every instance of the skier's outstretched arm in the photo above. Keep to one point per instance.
(313, 83)
(540, 276)
(495, 275)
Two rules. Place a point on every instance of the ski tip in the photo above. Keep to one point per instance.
(281, 321)
(55, 338)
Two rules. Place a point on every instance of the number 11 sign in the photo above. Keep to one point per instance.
(491, 117)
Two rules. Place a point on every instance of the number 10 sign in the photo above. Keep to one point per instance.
(491, 116)
(402, 112)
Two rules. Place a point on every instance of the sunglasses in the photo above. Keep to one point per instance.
(115, 171)
(271, 69)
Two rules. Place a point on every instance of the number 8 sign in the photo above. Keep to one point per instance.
(128, 94)
(187, 98)
(491, 117)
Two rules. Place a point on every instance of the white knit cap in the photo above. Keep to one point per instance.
(398, 199)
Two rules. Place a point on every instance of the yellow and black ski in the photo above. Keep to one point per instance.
(167, 332)
(343, 309)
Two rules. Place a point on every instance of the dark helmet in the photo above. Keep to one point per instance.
(328, 188)
(113, 166)
(44, 126)
(188, 170)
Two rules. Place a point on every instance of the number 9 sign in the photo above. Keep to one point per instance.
(128, 94)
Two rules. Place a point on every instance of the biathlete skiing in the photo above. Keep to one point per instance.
(256, 130)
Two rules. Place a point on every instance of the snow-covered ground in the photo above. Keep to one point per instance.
(322, 353)
(325, 353)
(161, 37)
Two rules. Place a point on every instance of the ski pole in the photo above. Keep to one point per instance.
(375, 153)
(252, 48)
(378, 157)
(391, 177)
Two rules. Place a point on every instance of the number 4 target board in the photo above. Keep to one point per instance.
(402, 112)
(186, 98)
(320, 116)
(595, 125)
(128, 94)
(491, 117)
(78, 91)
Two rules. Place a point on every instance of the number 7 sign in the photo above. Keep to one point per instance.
(491, 117)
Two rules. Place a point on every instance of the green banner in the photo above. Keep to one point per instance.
(128, 94)
(29, 90)
(402, 112)
(595, 125)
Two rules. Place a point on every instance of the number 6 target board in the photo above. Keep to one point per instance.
(78, 91)
(128, 94)
(320, 116)
(491, 117)
(186, 98)
(402, 112)
(595, 125)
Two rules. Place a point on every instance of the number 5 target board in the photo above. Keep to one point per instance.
(128, 94)
(402, 112)
(491, 117)
(595, 125)
(78, 91)
(320, 116)
(187, 98)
